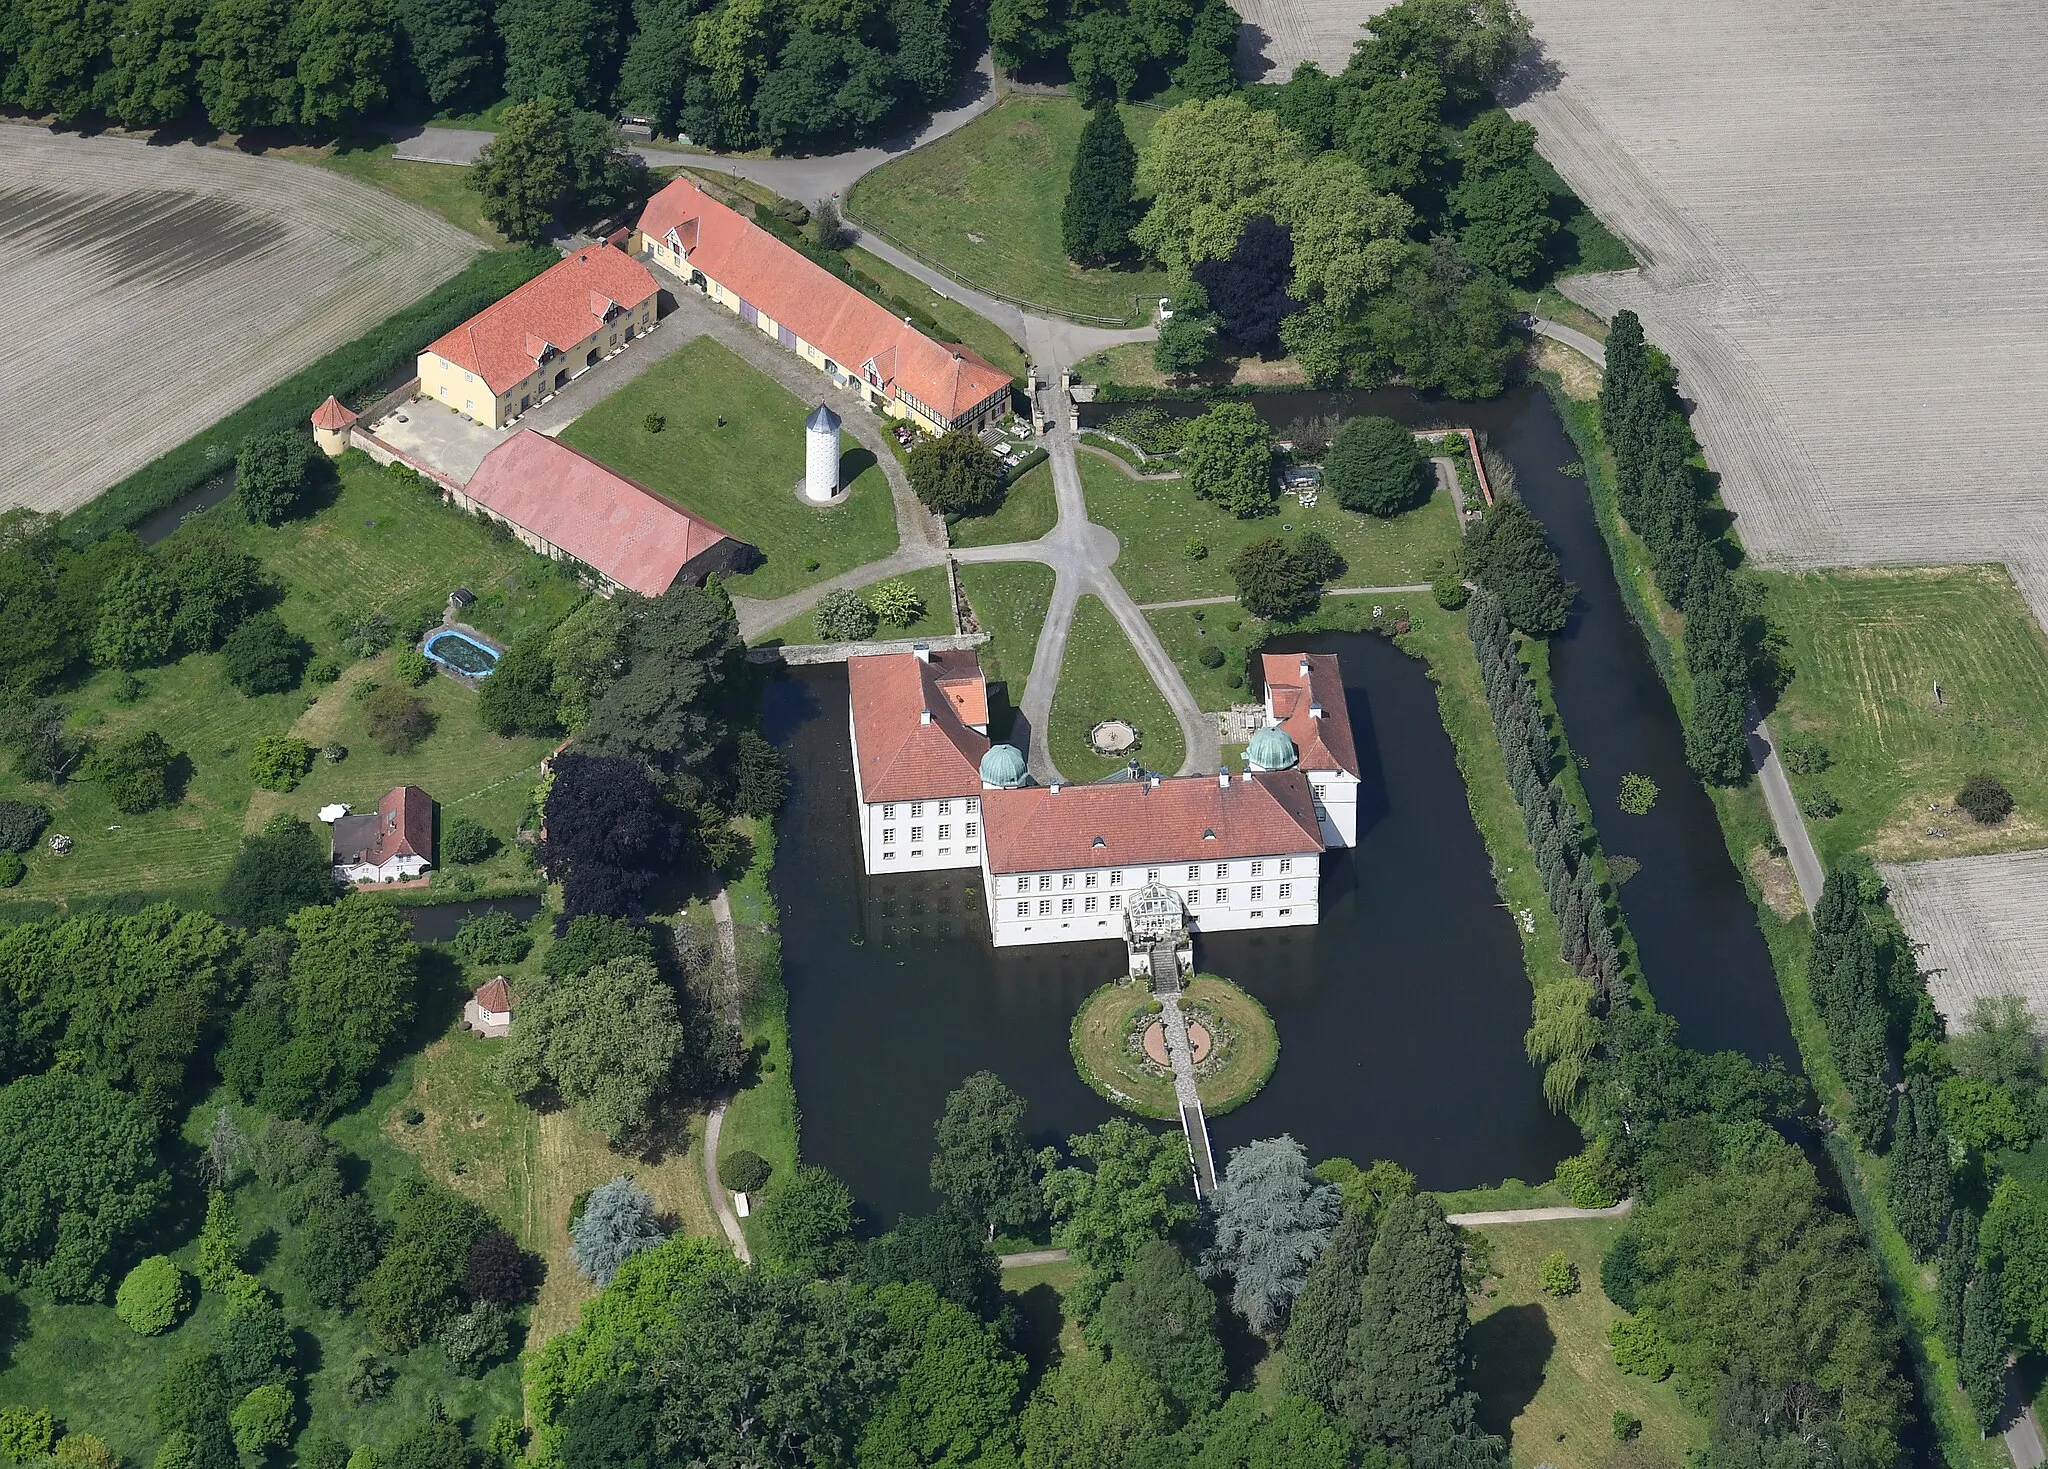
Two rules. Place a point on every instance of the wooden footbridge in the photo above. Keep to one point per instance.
(1165, 964)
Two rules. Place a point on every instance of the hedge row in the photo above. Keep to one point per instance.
(353, 373)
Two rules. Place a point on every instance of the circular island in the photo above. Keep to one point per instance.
(1119, 1046)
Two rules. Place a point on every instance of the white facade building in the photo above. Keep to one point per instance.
(1305, 701)
(920, 728)
(1239, 851)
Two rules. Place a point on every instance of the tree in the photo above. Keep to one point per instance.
(564, 51)
(215, 583)
(1298, 1435)
(1229, 455)
(344, 52)
(1918, 1185)
(1209, 167)
(22, 823)
(1101, 210)
(135, 626)
(609, 833)
(1273, 1220)
(956, 1400)
(654, 79)
(1983, 1358)
(983, 1166)
(1505, 207)
(1507, 554)
(1133, 1192)
(453, 48)
(219, 1264)
(1185, 341)
(336, 1249)
(617, 1222)
(464, 841)
(254, 1344)
(1087, 1414)
(1376, 466)
(1396, 131)
(1275, 580)
(478, 1337)
(396, 718)
(153, 1296)
(1986, 799)
(1956, 1266)
(262, 1421)
(944, 1250)
(273, 472)
(608, 1041)
(807, 1223)
(135, 770)
(279, 762)
(153, 63)
(1248, 288)
(277, 871)
(492, 937)
(1348, 237)
(263, 656)
(764, 777)
(1440, 325)
(78, 1176)
(1405, 1353)
(85, 1451)
(245, 74)
(348, 996)
(407, 1298)
(844, 616)
(1161, 1319)
(824, 89)
(431, 1443)
(519, 697)
(498, 1270)
(1467, 45)
(683, 693)
(956, 474)
(523, 173)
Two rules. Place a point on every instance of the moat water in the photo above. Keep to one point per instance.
(1400, 1016)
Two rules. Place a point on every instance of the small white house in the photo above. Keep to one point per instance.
(489, 1011)
(392, 844)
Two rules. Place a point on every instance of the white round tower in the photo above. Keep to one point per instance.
(821, 455)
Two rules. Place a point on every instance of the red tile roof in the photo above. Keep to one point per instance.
(402, 827)
(495, 997)
(332, 416)
(815, 304)
(1325, 743)
(1132, 823)
(569, 500)
(559, 307)
(904, 757)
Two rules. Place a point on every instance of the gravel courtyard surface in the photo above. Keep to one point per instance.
(1982, 925)
(1846, 239)
(148, 291)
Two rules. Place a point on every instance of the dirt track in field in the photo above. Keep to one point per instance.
(146, 292)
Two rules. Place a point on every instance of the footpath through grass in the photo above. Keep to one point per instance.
(1009, 601)
(1103, 678)
(1869, 648)
(984, 204)
(1157, 520)
(742, 475)
(1541, 1365)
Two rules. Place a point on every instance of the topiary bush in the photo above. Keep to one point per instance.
(743, 1171)
(12, 869)
(1211, 656)
(21, 824)
(153, 1296)
(1986, 799)
(1450, 592)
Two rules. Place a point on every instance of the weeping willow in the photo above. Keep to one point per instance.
(1561, 1038)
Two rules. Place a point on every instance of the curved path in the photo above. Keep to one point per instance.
(714, 1124)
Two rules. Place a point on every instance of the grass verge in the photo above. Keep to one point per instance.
(762, 1117)
(1103, 678)
(936, 621)
(740, 474)
(1010, 602)
(1029, 509)
(433, 186)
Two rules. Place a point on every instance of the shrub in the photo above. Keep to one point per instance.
(1986, 799)
(263, 1420)
(498, 1270)
(21, 824)
(1821, 803)
(743, 1170)
(1450, 592)
(896, 602)
(844, 617)
(1626, 1426)
(1560, 1277)
(654, 423)
(1622, 1271)
(369, 1377)
(396, 719)
(806, 1223)
(254, 1344)
(323, 670)
(262, 655)
(1197, 549)
(478, 1337)
(492, 937)
(1804, 754)
(1587, 1176)
(12, 869)
(280, 762)
(1211, 656)
(1638, 1350)
(1375, 466)
(26, 1433)
(153, 1296)
(272, 474)
(465, 841)
(1638, 794)
(85, 1451)
(412, 667)
(956, 474)
(136, 771)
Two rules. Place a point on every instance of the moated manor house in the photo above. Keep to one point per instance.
(1059, 862)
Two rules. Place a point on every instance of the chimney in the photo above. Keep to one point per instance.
(1245, 779)
(924, 716)
(1315, 711)
(1155, 782)
(923, 651)
(1055, 788)
(1223, 779)
(1304, 665)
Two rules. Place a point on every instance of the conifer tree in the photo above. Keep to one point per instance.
(1955, 1266)
(1100, 212)
(1983, 1355)
(1624, 374)
(1327, 1307)
(1407, 1350)
(1918, 1187)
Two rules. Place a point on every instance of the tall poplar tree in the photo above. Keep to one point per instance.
(1984, 1341)
(1918, 1187)
(1101, 210)
(1406, 1351)
(1954, 1269)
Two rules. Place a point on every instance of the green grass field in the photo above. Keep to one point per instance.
(763, 1116)
(1156, 519)
(930, 585)
(1542, 1367)
(1868, 649)
(1102, 678)
(374, 545)
(433, 186)
(741, 476)
(1009, 600)
(1028, 511)
(984, 203)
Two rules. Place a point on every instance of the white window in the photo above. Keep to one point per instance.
(945, 832)
(1088, 905)
(1286, 864)
(945, 851)
(888, 856)
(1044, 905)
(1066, 905)
(973, 830)
(1194, 871)
(917, 808)
(1023, 884)
(888, 835)
(1320, 791)
(1223, 869)
(1286, 890)
(1088, 881)
(1223, 895)
(1045, 884)
(973, 804)
(1066, 880)
(1194, 897)
(468, 404)
(1024, 910)
(1258, 893)
(1151, 874)
(945, 808)
(889, 813)
(1258, 869)
(916, 832)
(1116, 901)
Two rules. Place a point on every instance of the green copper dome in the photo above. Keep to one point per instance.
(1003, 767)
(1270, 749)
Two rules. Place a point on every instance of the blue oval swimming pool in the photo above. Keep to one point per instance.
(462, 653)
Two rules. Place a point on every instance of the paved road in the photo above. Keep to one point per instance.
(1785, 813)
(2023, 1438)
(1586, 346)
(1538, 1216)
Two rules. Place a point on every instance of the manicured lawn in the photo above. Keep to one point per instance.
(763, 1117)
(1009, 600)
(1509, 1193)
(969, 328)
(1103, 679)
(741, 476)
(1156, 519)
(375, 545)
(1048, 1332)
(1542, 1367)
(1028, 511)
(984, 203)
(1868, 649)
(435, 186)
(930, 585)
(1106, 1019)
(1186, 631)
